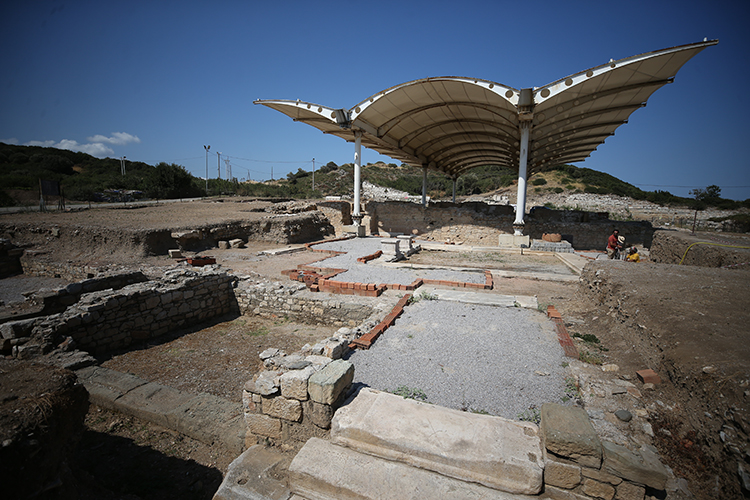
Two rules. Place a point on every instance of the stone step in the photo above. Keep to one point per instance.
(325, 471)
(498, 453)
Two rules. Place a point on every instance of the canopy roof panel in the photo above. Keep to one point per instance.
(453, 124)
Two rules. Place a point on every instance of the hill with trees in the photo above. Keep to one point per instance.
(86, 178)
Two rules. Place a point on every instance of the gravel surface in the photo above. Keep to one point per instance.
(372, 272)
(503, 361)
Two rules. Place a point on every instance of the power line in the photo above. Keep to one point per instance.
(666, 186)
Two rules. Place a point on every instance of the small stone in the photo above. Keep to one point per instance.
(649, 387)
(619, 390)
(610, 368)
(624, 415)
(541, 374)
(269, 353)
(648, 430)
(709, 370)
(641, 413)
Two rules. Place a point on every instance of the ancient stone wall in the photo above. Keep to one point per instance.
(275, 299)
(481, 224)
(114, 319)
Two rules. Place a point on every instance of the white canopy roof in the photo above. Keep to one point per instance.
(453, 124)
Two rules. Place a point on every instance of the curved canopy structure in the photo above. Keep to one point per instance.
(453, 124)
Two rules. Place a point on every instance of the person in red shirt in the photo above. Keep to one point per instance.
(613, 245)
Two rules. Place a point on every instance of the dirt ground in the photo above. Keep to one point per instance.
(687, 323)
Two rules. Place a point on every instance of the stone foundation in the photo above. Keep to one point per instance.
(482, 224)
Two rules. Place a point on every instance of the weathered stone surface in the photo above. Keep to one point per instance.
(630, 491)
(263, 425)
(301, 431)
(294, 383)
(642, 468)
(598, 490)
(319, 414)
(499, 453)
(281, 407)
(554, 493)
(567, 431)
(601, 476)
(236, 243)
(335, 348)
(566, 476)
(348, 475)
(624, 415)
(327, 385)
(266, 384)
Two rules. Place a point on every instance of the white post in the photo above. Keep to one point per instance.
(357, 166)
(454, 189)
(424, 186)
(521, 197)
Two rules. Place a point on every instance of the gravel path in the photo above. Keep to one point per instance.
(498, 360)
(374, 273)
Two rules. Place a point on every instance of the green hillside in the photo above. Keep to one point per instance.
(86, 178)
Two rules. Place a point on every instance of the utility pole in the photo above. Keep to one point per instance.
(218, 162)
(228, 169)
(122, 165)
(207, 148)
(271, 172)
(313, 183)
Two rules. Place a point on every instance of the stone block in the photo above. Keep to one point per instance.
(236, 243)
(327, 385)
(554, 493)
(630, 491)
(317, 413)
(263, 425)
(223, 245)
(301, 431)
(335, 348)
(513, 241)
(601, 476)
(642, 468)
(175, 254)
(281, 407)
(567, 432)
(322, 470)
(294, 383)
(566, 476)
(498, 453)
(265, 384)
(598, 490)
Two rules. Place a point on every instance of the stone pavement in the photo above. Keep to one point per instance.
(209, 419)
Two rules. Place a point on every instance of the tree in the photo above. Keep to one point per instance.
(708, 196)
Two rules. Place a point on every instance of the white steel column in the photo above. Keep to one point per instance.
(521, 197)
(454, 189)
(357, 166)
(424, 186)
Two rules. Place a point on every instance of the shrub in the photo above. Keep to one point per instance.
(539, 181)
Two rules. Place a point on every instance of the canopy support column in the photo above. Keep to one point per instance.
(357, 215)
(424, 186)
(522, 165)
(454, 189)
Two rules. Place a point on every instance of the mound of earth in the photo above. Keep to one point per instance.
(689, 324)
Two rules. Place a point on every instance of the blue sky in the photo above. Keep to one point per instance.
(157, 80)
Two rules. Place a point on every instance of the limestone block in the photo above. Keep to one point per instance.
(263, 425)
(598, 490)
(281, 407)
(502, 454)
(236, 243)
(335, 348)
(643, 468)
(323, 470)
(294, 383)
(317, 413)
(630, 491)
(327, 385)
(563, 475)
(223, 245)
(567, 431)
(265, 384)
(601, 476)
(301, 431)
(175, 254)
